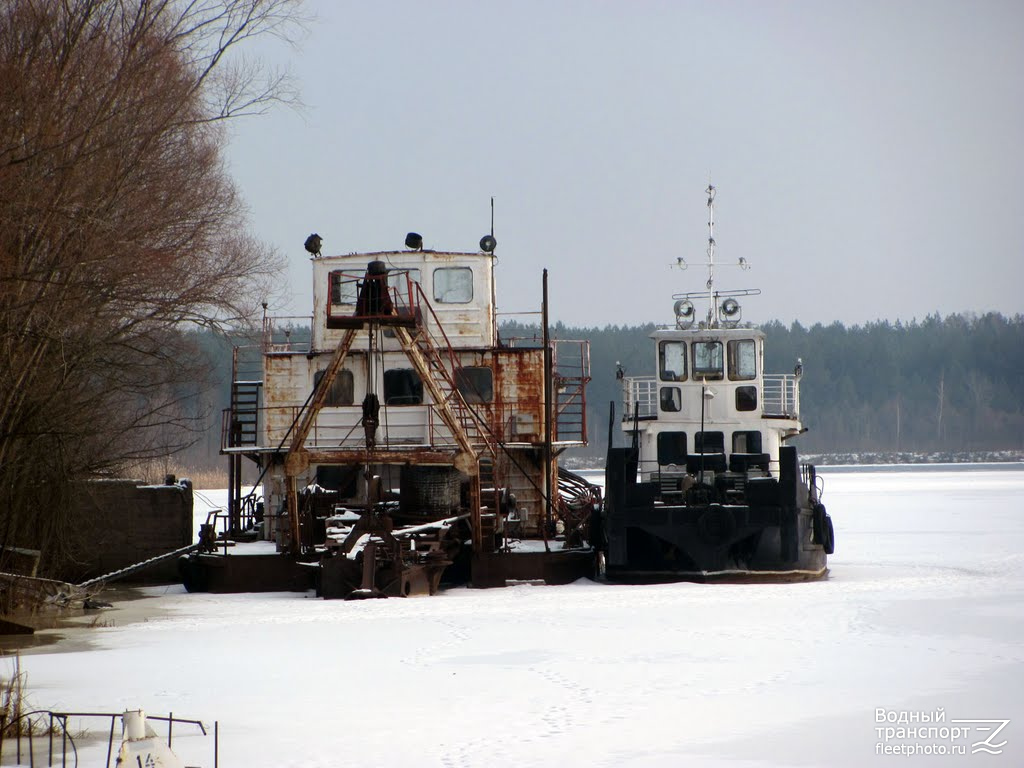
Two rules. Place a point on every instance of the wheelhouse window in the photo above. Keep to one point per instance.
(342, 391)
(475, 384)
(707, 360)
(748, 441)
(344, 288)
(742, 360)
(746, 398)
(672, 360)
(709, 442)
(402, 386)
(397, 277)
(671, 448)
(453, 285)
(398, 282)
(671, 399)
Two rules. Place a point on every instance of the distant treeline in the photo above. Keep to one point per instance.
(952, 384)
(943, 384)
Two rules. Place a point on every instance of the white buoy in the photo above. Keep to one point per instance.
(142, 746)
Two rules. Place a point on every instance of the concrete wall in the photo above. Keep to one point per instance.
(116, 523)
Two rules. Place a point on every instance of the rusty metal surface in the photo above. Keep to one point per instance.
(377, 323)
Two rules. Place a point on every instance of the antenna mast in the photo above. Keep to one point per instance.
(711, 251)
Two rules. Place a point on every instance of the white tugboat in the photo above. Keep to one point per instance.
(709, 486)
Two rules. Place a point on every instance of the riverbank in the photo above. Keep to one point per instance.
(72, 630)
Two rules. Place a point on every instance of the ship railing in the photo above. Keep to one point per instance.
(403, 426)
(571, 374)
(286, 334)
(640, 397)
(247, 361)
(780, 396)
(48, 733)
(355, 297)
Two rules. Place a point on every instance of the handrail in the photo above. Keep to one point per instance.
(55, 723)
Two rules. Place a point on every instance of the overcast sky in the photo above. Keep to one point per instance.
(869, 156)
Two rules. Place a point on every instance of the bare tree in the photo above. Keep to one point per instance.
(118, 228)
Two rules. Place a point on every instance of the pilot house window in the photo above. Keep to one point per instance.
(672, 360)
(402, 386)
(672, 448)
(671, 399)
(746, 442)
(746, 398)
(707, 360)
(453, 285)
(741, 360)
(475, 384)
(344, 288)
(400, 285)
(341, 391)
(709, 442)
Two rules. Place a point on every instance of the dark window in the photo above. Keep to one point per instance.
(453, 285)
(402, 386)
(707, 360)
(742, 360)
(746, 398)
(344, 288)
(746, 442)
(709, 442)
(671, 399)
(340, 479)
(672, 360)
(342, 391)
(671, 448)
(475, 384)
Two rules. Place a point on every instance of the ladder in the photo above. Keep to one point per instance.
(245, 409)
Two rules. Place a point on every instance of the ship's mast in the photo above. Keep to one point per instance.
(727, 312)
(711, 253)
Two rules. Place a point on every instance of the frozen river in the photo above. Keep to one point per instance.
(923, 613)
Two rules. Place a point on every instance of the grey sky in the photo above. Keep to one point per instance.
(868, 155)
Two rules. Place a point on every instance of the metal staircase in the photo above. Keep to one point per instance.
(245, 410)
(571, 375)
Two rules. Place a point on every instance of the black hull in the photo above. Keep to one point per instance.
(779, 532)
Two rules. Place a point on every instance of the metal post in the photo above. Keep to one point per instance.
(703, 399)
(611, 423)
(548, 410)
(216, 743)
(110, 740)
(170, 728)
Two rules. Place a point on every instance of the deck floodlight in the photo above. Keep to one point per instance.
(685, 314)
(313, 243)
(414, 241)
(488, 243)
(730, 307)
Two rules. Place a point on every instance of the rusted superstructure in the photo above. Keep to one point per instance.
(405, 439)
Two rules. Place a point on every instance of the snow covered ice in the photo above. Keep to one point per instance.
(924, 610)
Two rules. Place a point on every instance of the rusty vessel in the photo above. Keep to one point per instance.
(404, 444)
